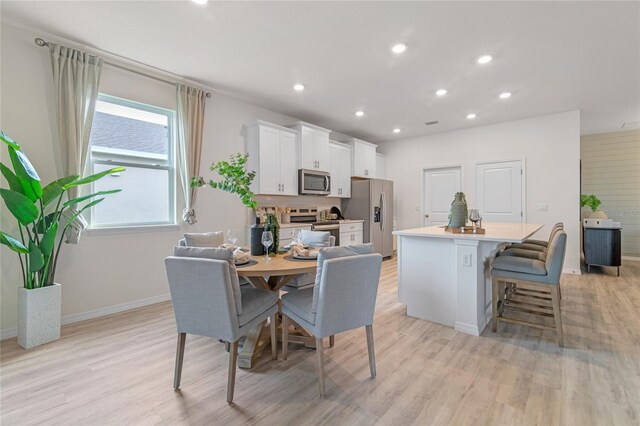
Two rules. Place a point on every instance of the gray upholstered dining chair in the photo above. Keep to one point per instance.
(307, 280)
(343, 298)
(202, 239)
(208, 301)
(531, 286)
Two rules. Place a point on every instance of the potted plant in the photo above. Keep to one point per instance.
(236, 179)
(592, 202)
(41, 225)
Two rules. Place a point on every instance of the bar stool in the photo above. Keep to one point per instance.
(531, 286)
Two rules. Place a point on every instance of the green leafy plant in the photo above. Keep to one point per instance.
(236, 179)
(39, 212)
(590, 200)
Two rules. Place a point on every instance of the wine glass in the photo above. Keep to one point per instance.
(232, 236)
(296, 237)
(474, 216)
(267, 240)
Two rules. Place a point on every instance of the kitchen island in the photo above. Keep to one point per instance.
(446, 278)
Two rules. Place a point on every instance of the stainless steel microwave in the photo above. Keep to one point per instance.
(313, 182)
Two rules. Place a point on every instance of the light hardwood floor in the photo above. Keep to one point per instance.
(119, 370)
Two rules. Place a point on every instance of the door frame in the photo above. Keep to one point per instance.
(523, 180)
(424, 169)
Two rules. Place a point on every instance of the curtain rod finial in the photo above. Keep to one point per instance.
(40, 42)
(208, 95)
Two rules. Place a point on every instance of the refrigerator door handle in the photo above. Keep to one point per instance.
(382, 213)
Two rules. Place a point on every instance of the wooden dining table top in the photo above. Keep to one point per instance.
(277, 266)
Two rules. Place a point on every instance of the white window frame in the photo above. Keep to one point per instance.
(121, 157)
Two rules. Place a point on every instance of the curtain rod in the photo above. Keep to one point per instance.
(40, 42)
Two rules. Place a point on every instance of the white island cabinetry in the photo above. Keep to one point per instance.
(273, 154)
(446, 278)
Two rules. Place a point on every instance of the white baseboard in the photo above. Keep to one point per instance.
(571, 271)
(631, 258)
(96, 313)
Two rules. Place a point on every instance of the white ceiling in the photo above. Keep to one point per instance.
(553, 56)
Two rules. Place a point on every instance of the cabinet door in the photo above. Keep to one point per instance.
(345, 172)
(359, 160)
(335, 161)
(288, 169)
(357, 237)
(380, 166)
(307, 148)
(269, 173)
(322, 150)
(370, 162)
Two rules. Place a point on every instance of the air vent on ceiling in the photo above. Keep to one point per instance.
(631, 125)
(431, 123)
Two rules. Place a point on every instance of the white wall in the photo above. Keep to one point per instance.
(550, 146)
(107, 272)
(611, 171)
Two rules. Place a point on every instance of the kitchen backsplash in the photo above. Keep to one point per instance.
(322, 203)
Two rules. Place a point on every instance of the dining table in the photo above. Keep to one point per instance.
(272, 275)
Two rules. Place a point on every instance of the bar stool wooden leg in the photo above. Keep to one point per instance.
(555, 300)
(494, 298)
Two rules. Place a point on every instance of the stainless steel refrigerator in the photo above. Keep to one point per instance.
(372, 201)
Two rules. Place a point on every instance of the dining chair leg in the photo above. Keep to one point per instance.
(494, 304)
(332, 340)
(372, 354)
(320, 351)
(559, 292)
(182, 337)
(555, 300)
(285, 336)
(231, 381)
(274, 336)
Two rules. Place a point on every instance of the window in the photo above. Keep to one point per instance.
(139, 137)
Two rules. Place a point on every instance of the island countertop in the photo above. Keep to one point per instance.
(503, 232)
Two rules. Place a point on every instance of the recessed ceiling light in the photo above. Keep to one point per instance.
(441, 92)
(471, 116)
(505, 95)
(399, 48)
(485, 59)
(200, 1)
(359, 113)
(396, 130)
(299, 87)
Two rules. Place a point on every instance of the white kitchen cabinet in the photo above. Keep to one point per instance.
(313, 145)
(380, 166)
(363, 158)
(273, 154)
(340, 169)
(351, 233)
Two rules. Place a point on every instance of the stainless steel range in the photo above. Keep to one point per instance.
(311, 216)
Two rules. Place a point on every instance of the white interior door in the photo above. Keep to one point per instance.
(440, 186)
(499, 191)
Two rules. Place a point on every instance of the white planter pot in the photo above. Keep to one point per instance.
(39, 312)
(598, 214)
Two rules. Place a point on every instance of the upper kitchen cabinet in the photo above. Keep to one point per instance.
(380, 166)
(340, 169)
(273, 154)
(363, 158)
(313, 144)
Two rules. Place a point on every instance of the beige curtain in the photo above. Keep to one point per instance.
(190, 111)
(76, 77)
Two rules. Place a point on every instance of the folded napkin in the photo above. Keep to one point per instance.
(228, 246)
(240, 256)
(300, 250)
